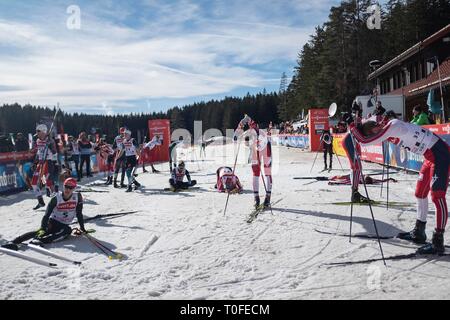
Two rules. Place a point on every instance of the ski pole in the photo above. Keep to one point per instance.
(234, 168)
(382, 176)
(337, 156)
(367, 195)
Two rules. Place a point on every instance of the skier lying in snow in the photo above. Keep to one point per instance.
(346, 180)
(227, 181)
(433, 174)
(61, 211)
(178, 174)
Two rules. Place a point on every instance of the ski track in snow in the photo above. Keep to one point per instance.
(180, 246)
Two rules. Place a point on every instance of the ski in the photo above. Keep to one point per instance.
(312, 178)
(49, 253)
(181, 190)
(363, 236)
(108, 215)
(20, 255)
(394, 257)
(368, 236)
(255, 213)
(374, 203)
(90, 190)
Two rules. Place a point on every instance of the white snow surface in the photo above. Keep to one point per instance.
(180, 245)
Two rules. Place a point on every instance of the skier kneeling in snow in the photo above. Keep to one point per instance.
(433, 174)
(61, 211)
(178, 174)
(227, 181)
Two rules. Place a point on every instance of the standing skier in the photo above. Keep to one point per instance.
(131, 152)
(62, 209)
(261, 149)
(177, 179)
(45, 149)
(173, 152)
(119, 162)
(156, 141)
(433, 174)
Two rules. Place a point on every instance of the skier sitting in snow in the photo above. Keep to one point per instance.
(61, 211)
(227, 181)
(178, 174)
(434, 173)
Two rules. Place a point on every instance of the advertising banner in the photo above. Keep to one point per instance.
(317, 123)
(159, 153)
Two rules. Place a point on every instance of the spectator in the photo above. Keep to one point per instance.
(6, 144)
(379, 110)
(85, 147)
(420, 117)
(21, 143)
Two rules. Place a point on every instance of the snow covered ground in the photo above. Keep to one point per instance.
(200, 254)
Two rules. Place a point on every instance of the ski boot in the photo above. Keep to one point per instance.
(155, 171)
(40, 204)
(266, 203)
(359, 198)
(48, 192)
(123, 185)
(129, 189)
(11, 246)
(109, 181)
(115, 184)
(257, 203)
(417, 235)
(137, 185)
(436, 246)
(144, 170)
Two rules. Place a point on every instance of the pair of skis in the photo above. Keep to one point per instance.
(261, 208)
(374, 237)
(40, 250)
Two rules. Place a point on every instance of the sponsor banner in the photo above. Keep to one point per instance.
(294, 141)
(337, 144)
(13, 176)
(160, 153)
(317, 123)
(16, 156)
(395, 156)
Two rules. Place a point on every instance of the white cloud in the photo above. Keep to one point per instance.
(106, 62)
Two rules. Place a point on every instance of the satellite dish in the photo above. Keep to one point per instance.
(332, 109)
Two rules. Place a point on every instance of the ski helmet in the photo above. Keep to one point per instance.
(71, 183)
(181, 165)
(42, 128)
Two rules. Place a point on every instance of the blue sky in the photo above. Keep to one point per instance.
(149, 55)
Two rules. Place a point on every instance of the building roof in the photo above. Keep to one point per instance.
(428, 83)
(410, 52)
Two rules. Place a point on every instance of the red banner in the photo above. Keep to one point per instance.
(159, 153)
(317, 123)
(16, 156)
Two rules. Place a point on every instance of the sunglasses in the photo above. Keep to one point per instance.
(69, 187)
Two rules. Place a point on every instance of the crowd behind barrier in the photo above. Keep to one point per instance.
(16, 169)
(393, 155)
